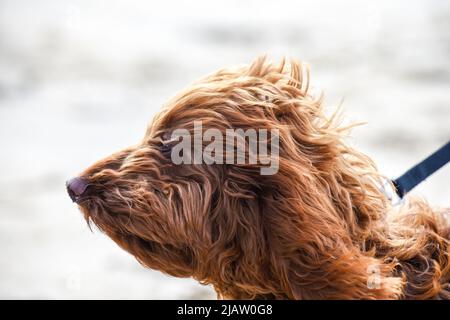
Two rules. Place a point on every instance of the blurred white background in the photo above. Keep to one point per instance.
(81, 79)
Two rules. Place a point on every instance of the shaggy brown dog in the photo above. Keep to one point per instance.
(320, 228)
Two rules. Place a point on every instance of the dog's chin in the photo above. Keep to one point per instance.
(98, 217)
(94, 214)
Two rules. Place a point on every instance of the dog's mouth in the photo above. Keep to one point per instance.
(94, 213)
(100, 208)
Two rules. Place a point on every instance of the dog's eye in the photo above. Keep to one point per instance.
(165, 149)
(166, 144)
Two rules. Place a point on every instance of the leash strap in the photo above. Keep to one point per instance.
(422, 170)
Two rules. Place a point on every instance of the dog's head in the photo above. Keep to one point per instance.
(289, 233)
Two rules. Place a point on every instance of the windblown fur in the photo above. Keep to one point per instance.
(315, 230)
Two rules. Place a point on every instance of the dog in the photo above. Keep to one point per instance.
(320, 227)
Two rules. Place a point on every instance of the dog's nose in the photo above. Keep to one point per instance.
(76, 187)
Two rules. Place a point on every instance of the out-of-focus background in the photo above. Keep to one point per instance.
(81, 79)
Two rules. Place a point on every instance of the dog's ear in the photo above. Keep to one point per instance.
(324, 203)
(284, 239)
(235, 240)
(314, 248)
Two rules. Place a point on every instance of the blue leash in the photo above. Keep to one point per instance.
(422, 170)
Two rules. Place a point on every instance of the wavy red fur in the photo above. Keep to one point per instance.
(314, 230)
